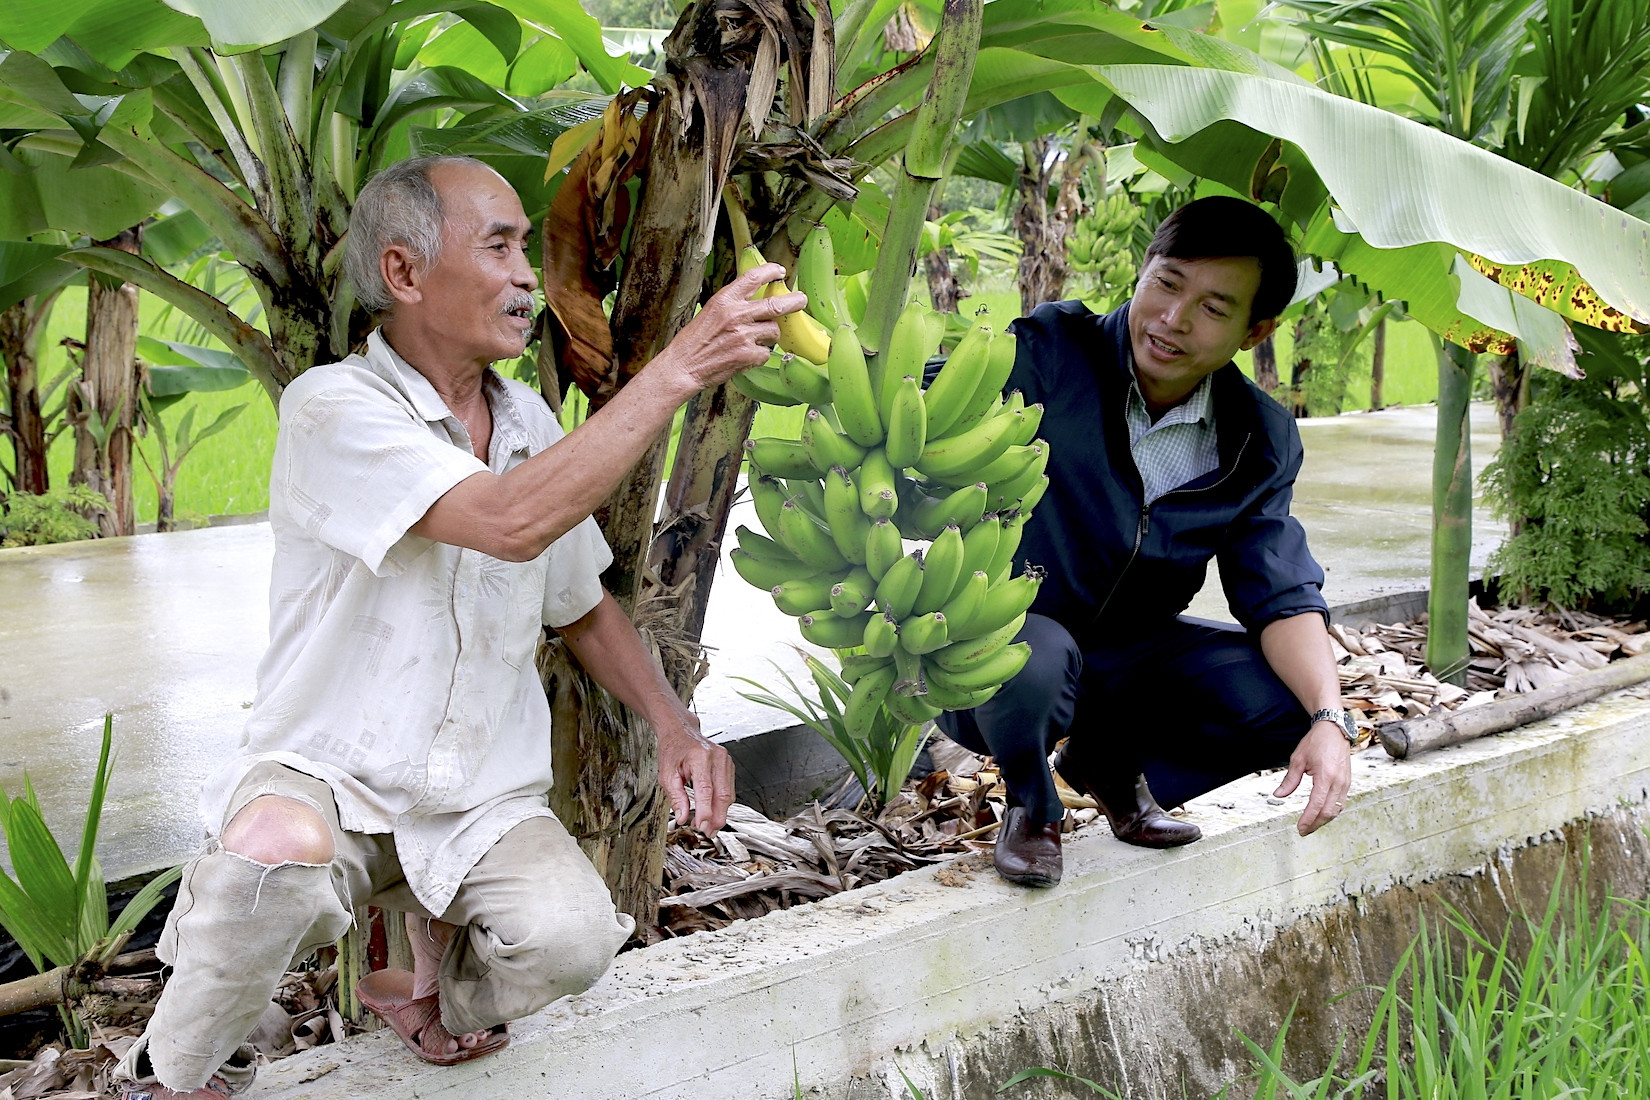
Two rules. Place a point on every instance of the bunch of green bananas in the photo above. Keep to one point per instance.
(1101, 242)
(880, 463)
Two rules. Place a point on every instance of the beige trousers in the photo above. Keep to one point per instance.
(536, 922)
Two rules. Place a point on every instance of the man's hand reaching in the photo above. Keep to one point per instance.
(1323, 754)
(689, 759)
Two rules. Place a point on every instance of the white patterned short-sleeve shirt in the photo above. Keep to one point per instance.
(400, 670)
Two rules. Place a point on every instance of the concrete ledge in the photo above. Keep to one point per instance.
(1134, 971)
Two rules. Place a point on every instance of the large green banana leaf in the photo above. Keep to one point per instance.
(1398, 204)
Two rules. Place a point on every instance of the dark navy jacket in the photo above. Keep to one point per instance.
(1113, 562)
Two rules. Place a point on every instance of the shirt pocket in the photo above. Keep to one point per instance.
(524, 613)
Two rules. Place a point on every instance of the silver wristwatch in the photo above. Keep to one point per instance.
(1342, 718)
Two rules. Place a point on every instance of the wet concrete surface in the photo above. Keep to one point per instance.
(166, 632)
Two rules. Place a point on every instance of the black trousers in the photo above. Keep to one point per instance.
(1192, 704)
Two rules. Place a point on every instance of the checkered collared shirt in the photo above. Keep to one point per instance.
(1177, 449)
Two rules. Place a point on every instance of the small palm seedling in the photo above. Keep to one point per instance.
(58, 914)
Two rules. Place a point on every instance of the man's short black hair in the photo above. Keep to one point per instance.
(1221, 226)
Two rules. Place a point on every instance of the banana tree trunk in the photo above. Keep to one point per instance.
(107, 396)
(1447, 648)
(1510, 382)
(1266, 365)
(20, 328)
(1042, 269)
(944, 292)
(1377, 368)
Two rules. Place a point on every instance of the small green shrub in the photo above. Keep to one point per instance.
(38, 519)
(1575, 479)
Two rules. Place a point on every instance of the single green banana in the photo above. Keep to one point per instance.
(768, 495)
(960, 656)
(854, 290)
(763, 384)
(1010, 464)
(940, 566)
(883, 547)
(999, 668)
(825, 447)
(960, 507)
(877, 480)
(881, 635)
(865, 703)
(923, 633)
(1003, 603)
(859, 664)
(853, 593)
(1028, 430)
(803, 597)
(805, 537)
(816, 277)
(955, 461)
(908, 673)
(1002, 559)
(958, 700)
(808, 493)
(912, 710)
(762, 547)
(1034, 494)
(990, 389)
(804, 381)
(766, 574)
(908, 348)
(781, 457)
(955, 384)
(907, 425)
(966, 600)
(834, 631)
(980, 543)
(898, 588)
(1006, 494)
(851, 394)
(850, 528)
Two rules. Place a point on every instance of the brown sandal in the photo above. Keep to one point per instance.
(388, 993)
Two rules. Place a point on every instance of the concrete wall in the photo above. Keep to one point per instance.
(1134, 971)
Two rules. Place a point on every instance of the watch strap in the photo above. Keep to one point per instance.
(1342, 718)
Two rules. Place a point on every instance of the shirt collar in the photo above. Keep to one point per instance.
(508, 426)
(1197, 408)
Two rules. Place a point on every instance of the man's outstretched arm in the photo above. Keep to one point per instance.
(607, 645)
(1298, 650)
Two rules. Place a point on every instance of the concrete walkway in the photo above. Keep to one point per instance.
(166, 632)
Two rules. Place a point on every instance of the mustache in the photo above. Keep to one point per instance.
(520, 301)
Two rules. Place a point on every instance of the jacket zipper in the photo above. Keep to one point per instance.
(1146, 519)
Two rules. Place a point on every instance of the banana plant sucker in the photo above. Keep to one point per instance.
(954, 49)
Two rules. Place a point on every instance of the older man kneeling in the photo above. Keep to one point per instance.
(429, 520)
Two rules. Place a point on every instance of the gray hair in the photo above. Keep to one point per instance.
(400, 206)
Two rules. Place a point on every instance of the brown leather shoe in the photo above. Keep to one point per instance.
(1027, 854)
(1134, 814)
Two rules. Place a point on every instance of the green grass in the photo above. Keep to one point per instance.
(229, 474)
